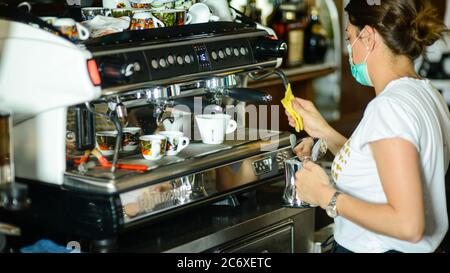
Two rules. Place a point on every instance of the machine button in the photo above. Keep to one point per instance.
(180, 60)
(243, 51)
(228, 51)
(187, 59)
(155, 64)
(214, 55)
(137, 66)
(171, 59)
(221, 54)
(236, 52)
(163, 62)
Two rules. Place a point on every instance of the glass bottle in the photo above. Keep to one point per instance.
(291, 28)
(252, 11)
(316, 39)
(275, 15)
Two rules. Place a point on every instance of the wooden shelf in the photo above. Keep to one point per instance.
(306, 72)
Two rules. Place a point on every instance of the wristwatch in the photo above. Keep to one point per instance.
(331, 207)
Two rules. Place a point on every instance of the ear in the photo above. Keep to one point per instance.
(370, 38)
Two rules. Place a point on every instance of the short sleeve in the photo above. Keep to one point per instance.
(387, 118)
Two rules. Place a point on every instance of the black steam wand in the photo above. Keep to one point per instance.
(276, 71)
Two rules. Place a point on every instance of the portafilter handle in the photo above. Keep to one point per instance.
(248, 95)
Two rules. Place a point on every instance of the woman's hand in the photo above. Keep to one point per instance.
(313, 122)
(304, 148)
(313, 185)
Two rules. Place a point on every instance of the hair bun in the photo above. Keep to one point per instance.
(408, 27)
(426, 28)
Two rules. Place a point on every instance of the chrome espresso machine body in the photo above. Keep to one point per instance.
(136, 79)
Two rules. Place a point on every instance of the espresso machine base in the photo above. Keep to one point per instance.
(252, 226)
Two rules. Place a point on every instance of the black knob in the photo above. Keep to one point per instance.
(117, 71)
(269, 47)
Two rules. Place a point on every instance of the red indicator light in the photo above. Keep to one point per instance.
(93, 72)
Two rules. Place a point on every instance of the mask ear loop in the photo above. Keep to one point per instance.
(357, 38)
(367, 56)
(367, 48)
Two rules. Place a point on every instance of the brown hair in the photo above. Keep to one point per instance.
(407, 26)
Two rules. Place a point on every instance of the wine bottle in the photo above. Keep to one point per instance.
(291, 28)
(316, 39)
(252, 11)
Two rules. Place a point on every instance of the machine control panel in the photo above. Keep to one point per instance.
(178, 60)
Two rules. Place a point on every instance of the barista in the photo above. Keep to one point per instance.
(390, 175)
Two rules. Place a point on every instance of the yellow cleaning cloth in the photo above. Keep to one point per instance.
(287, 103)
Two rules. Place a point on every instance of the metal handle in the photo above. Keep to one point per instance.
(85, 128)
(248, 95)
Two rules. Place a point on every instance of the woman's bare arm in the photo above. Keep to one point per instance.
(403, 216)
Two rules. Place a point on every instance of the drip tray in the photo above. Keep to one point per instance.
(195, 149)
(192, 151)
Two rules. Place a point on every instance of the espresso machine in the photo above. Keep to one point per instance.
(62, 93)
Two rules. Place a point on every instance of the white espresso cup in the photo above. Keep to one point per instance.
(200, 13)
(71, 29)
(106, 142)
(114, 4)
(176, 142)
(221, 9)
(144, 20)
(153, 147)
(130, 139)
(213, 128)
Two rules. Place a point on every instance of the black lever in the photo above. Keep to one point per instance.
(85, 128)
(272, 48)
(248, 95)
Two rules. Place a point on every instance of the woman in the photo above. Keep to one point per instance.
(390, 175)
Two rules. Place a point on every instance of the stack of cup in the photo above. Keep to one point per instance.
(106, 140)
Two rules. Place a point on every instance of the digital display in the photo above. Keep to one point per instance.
(202, 57)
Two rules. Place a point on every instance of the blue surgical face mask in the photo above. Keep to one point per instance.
(359, 71)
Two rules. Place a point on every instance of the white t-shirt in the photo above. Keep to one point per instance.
(415, 111)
